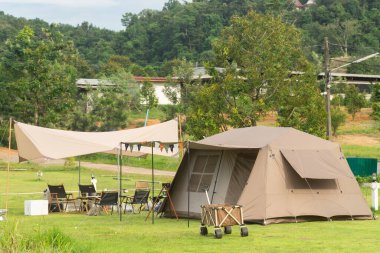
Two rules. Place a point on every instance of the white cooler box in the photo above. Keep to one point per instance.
(36, 207)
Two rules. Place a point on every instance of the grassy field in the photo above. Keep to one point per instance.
(77, 232)
(160, 162)
(105, 233)
(361, 151)
(24, 183)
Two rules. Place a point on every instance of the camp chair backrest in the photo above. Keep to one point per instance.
(58, 190)
(142, 185)
(88, 190)
(141, 196)
(109, 198)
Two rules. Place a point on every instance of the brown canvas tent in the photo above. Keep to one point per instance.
(276, 174)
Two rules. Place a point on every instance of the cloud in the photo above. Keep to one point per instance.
(65, 3)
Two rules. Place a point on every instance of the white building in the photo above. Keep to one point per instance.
(159, 83)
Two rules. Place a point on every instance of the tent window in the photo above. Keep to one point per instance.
(203, 172)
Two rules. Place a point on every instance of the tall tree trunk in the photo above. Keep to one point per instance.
(36, 115)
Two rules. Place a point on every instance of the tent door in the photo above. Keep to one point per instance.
(242, 169)
(203, 175)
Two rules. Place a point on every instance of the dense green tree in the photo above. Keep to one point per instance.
(181, 95)
(258, 53)
(301, 106)
(353, 100)
(206, 114)
(375, 93)
(148, 97)
(375, 99)
(338, 100)
(338, 118)
(108, 107)
(114, 64)
(38, 77)
(187, 29)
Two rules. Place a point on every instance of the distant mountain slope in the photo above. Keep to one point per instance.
(187, 30)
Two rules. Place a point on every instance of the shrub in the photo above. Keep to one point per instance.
(338, 118)
(52, 240)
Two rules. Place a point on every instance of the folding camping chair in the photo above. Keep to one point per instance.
(87, 190)
(88, 196)
(107, 199)
(58, 197)
(139, 198)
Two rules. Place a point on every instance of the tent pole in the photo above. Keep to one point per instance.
(9, 163)
(180, 134)
(79, 171)
(120, 173)
(152, 182)
(217, 175)
(188, 184)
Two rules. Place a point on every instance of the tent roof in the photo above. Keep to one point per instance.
(35, 142)
(261, 136)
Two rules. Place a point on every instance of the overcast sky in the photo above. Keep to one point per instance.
(101, 13)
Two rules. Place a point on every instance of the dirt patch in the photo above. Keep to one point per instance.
(140, 123)
(363, 115)
(358, 139)
(4, 153)
(127, 169)
(270, 119)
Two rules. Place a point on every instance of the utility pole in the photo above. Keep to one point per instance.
(328, 79)
(327, 87)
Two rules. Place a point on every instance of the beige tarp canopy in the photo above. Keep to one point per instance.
(276, 174)
(36, 143)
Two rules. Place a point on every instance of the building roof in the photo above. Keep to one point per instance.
(310, 2)
(93, 83)
(150, 79)
(201, 73)
(84, 83)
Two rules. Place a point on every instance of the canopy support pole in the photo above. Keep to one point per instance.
(9, 163)
(188, 184)
(79, 171)
(152, 180)
(119, 161)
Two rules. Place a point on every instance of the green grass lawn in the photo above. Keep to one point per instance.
(369, 127)
(105, 233)
(160, 162)
(361, 151)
